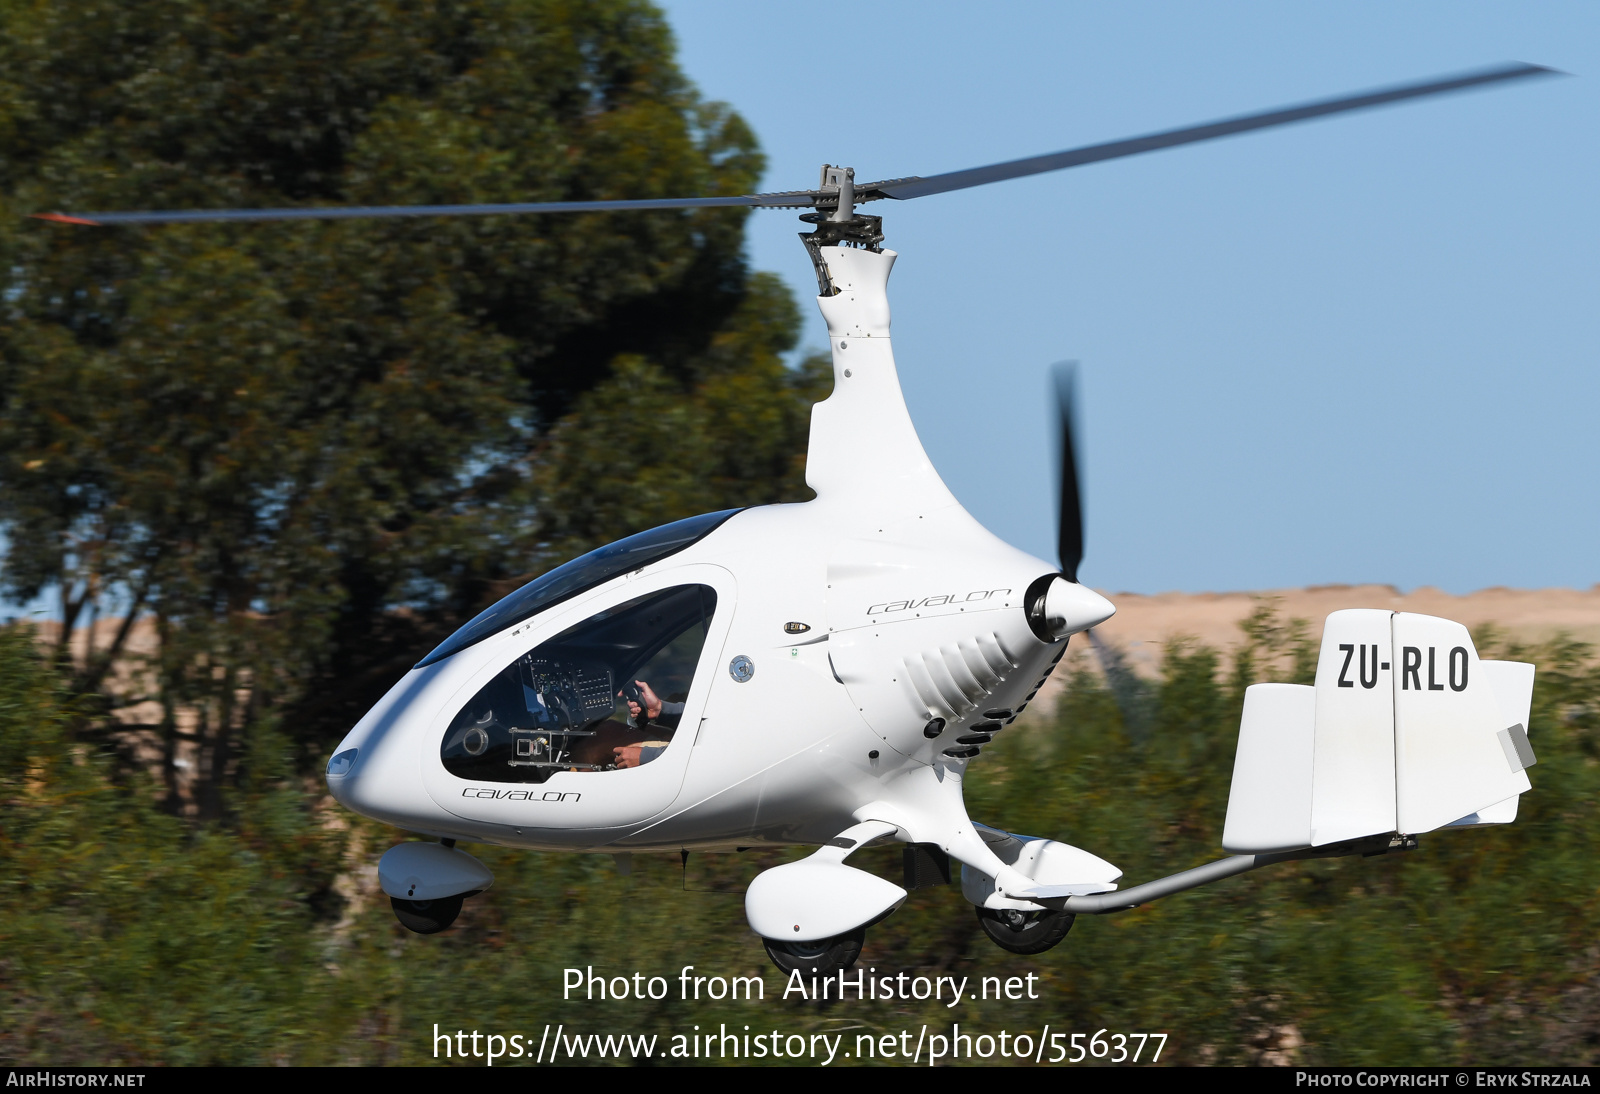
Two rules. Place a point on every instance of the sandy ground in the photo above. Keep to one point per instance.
(1144, 624)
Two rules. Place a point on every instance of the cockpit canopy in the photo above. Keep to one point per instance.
(579, 575)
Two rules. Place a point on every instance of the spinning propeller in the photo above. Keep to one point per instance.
(1069, 524)
(839, 194)
(1131, 693)
(1069, 519)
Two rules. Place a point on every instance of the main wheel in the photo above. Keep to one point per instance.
(1024, 932)
(825, 956)
(427, 916)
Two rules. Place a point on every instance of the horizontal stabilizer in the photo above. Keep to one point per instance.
(1406, 730)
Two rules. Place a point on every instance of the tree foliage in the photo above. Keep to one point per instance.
(301, 450)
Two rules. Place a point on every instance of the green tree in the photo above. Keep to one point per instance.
(639, 450)
(303, 451)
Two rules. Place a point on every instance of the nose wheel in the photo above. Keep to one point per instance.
(427, 916)
(1024, 932)
(823, 957)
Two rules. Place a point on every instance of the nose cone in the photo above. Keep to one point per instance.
(1070, 608)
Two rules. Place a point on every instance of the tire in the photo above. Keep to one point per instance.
(1024, 932)
(427, 916)
(823, 957)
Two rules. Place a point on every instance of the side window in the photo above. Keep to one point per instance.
(605, 694)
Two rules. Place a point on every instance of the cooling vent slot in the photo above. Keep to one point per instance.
(953, 681)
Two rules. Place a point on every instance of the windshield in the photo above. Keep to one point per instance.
(582, 573)
(603, 695)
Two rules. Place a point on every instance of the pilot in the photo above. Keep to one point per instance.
(647, 710)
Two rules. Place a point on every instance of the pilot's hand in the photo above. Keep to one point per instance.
(626, 755)
(652, 704)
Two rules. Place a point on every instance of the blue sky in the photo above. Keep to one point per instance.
(1360, 349)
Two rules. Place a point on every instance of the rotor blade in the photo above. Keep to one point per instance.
(901, 188)
(794, 199)
(1069, 521)
(1094, 153)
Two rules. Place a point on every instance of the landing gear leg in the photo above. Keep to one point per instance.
(824, 957)
(1024, 932)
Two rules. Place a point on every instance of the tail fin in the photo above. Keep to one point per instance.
(1405, 731)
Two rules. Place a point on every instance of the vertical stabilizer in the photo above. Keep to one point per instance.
(1354, 792)
(1449, 757)
(1512, 682)
(1269, 805)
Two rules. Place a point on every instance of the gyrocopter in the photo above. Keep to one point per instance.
(824, 673)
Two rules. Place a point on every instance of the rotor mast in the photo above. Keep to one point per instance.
(842, 181)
